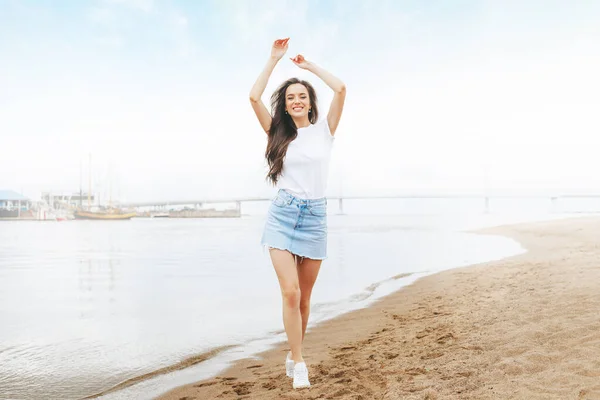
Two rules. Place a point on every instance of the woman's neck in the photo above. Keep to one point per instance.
(301, 123)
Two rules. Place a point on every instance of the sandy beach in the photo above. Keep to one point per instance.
(526, 327)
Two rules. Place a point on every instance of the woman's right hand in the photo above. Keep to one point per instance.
(279, 48)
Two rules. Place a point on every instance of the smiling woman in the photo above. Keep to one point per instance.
(295, 100)
(298, 152)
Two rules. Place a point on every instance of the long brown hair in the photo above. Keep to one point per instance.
(283, 129)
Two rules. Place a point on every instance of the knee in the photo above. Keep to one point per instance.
(304, 305)
(291, 297)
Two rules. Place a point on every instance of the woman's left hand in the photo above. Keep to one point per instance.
(300, 61)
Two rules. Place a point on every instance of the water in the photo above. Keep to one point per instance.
(85, 305)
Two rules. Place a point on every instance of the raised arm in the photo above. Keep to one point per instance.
(278, 50)
(338, 87)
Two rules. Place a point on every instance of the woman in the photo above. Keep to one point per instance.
(298, 153)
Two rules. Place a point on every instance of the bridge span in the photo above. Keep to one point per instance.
(238, 201)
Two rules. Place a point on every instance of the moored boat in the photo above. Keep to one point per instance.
(109, 215)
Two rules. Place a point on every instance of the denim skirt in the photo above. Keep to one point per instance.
(297, 225)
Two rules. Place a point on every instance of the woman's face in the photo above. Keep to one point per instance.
(297, 102)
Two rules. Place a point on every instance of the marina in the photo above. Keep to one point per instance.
(69, 206)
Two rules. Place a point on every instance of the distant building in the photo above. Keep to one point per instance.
(12, 204)
(66, 200)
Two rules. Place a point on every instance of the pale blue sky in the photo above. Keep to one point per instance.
(438, 93)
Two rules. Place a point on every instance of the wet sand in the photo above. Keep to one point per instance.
(526, 327)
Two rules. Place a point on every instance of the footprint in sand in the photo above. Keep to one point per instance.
(430, 356)
(423, 333)
(321, 370)
(445, 338)
(344, 380)
(338, 374)
(269, 385)
(206, 384)
(242, 388)
(416, 371)
(341, 392)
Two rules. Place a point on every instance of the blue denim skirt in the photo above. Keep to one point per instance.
(297, 225)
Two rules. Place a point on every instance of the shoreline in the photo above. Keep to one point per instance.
(419, 341)
(321, 312)
(185, 363)
(225, 356)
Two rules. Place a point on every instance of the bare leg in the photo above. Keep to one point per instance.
(285, 267)
(308, 271)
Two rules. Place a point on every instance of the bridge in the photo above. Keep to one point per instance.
(485, 198)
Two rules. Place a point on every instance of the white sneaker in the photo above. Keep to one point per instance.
(289, 365)
(301, 376)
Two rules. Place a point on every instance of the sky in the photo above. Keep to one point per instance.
(442, 96)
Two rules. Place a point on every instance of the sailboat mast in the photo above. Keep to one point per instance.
(109, 185)
(90, 182)
(80, 183)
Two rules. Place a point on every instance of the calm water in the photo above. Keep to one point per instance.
(85, 305)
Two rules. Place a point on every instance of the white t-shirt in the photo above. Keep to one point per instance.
(306, 164)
